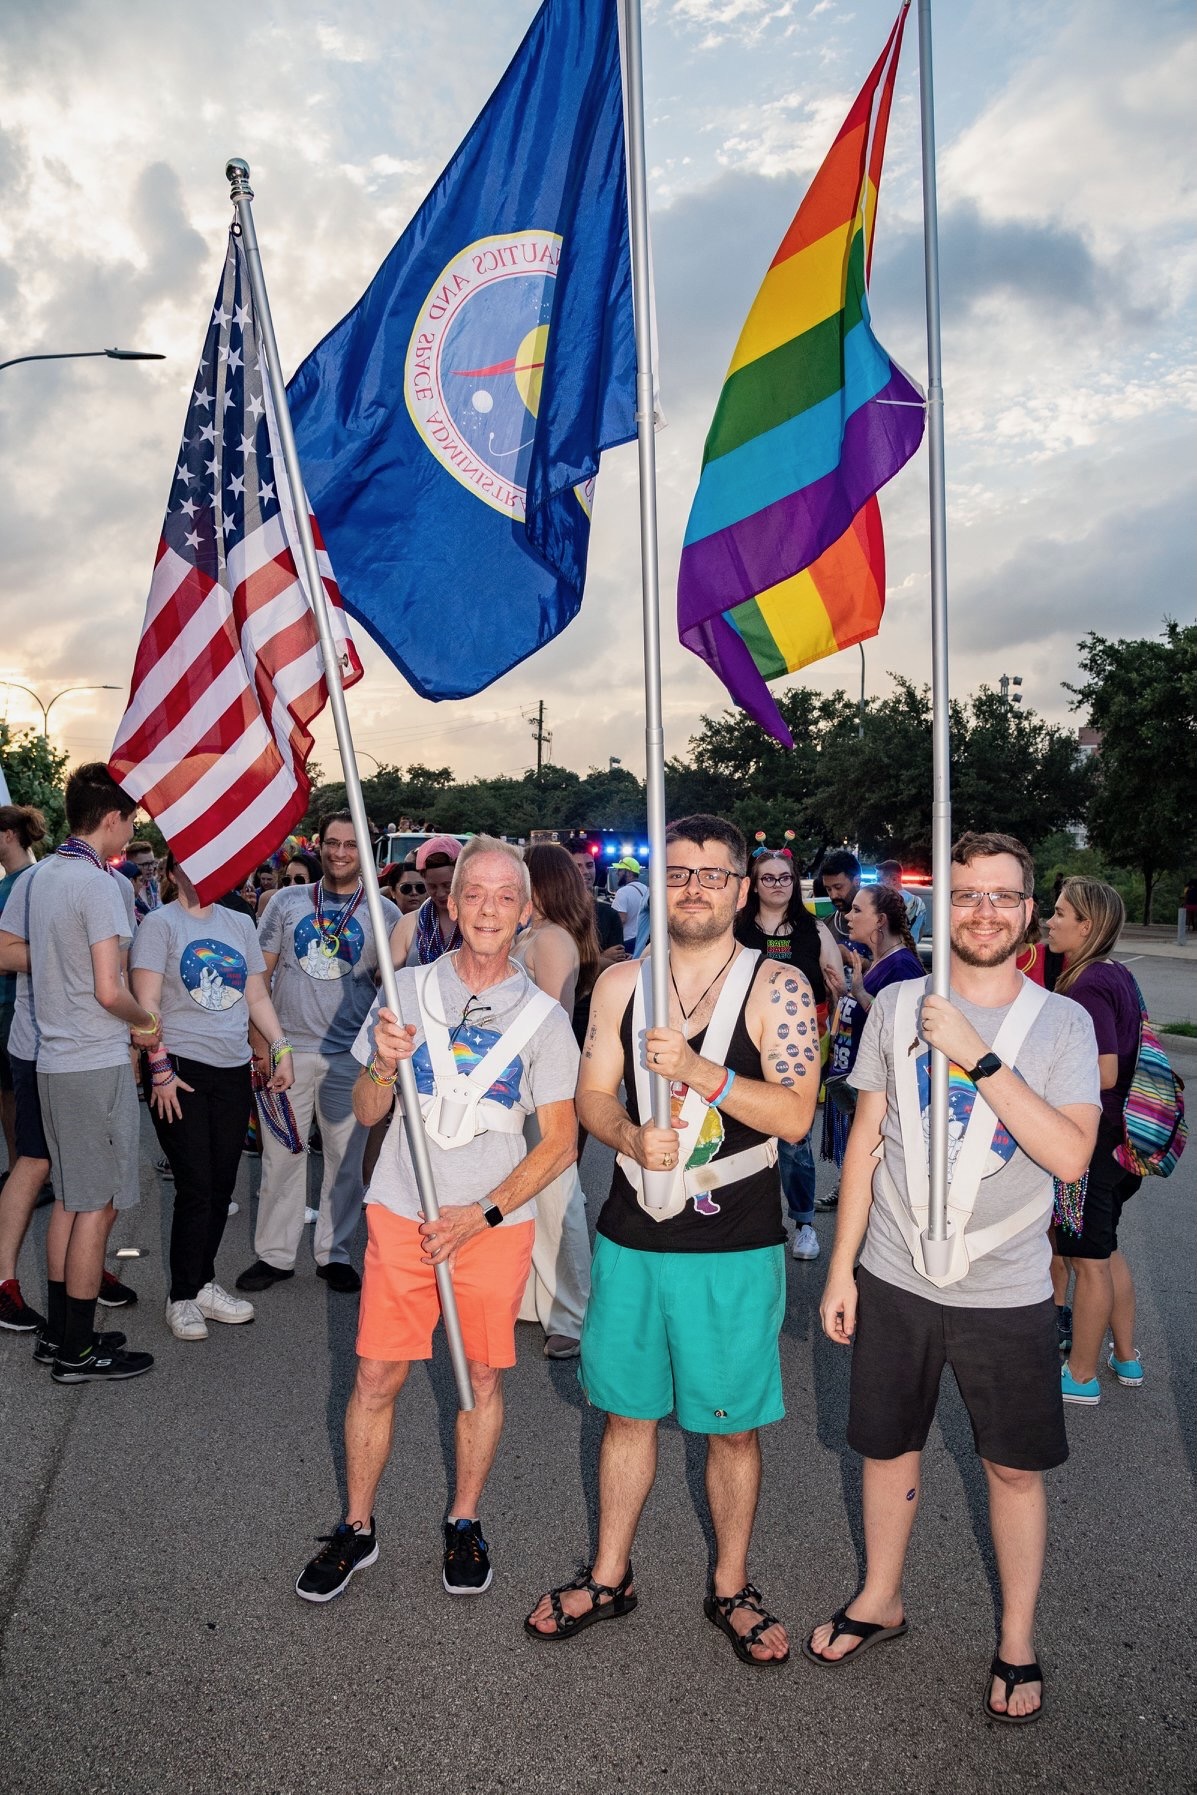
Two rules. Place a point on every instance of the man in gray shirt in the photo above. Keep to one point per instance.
(322, 965)
(79, 929)
(1017, 1118)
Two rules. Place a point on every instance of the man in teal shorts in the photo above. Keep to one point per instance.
(688, 1290)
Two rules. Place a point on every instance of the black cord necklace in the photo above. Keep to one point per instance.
(687, 1013)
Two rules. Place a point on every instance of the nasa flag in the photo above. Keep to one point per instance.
(450, 426)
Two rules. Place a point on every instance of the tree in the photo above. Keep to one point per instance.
(1142, 695)
(35, 773)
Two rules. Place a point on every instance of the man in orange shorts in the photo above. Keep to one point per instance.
(489, 1049)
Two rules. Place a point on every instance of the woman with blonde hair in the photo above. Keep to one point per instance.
(1084, 927)
(560, 951)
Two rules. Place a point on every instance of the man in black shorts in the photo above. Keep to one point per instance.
(989, 1311)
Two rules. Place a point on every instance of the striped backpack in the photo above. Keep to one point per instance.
(1153, 1116)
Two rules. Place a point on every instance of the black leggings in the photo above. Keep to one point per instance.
(204, 1151)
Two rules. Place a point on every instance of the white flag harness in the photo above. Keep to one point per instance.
(911, 1215)
(668, 1192)
(458, 1108)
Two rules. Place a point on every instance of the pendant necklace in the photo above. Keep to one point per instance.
(330, 929)
(687, 1013)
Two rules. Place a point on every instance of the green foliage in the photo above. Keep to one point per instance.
(35, 772)
(1142, 695)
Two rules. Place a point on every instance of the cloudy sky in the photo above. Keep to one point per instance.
(1067, 245)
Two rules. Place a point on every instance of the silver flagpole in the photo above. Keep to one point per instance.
(237, 174)
(654, 732)
(936, 1243)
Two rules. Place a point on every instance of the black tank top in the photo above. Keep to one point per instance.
(802, 942)
(736, 1217)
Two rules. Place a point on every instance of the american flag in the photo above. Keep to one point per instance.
(229, 673)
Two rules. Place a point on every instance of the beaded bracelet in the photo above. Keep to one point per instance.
(278, 1049)
(380, 1078)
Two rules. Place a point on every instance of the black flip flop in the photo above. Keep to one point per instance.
(567, 1625)
(719, 1610)
(867, 1631)
(1012, 1675)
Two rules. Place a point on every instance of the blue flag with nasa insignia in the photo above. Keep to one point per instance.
(450, 426)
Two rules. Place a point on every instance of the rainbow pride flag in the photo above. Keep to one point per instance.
(784, 560)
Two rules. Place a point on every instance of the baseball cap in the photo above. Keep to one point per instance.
(437, 844)
(628, 865)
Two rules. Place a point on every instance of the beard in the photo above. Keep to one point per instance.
(994, 952)
(696, 927)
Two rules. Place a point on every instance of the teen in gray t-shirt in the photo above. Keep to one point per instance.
(205, 962)
(322, 998)
(77, 906)
(544, 1071)
(1058, 1060)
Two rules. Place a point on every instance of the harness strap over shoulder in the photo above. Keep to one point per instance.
(716, 1041)
(911, 1214)
(458, 1108)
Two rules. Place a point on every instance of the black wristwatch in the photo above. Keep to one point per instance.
(492, 1212)
(986, 1066)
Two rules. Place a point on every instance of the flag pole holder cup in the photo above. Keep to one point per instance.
(658, 1190)
(938, 1253)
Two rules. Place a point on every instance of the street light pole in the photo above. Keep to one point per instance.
(45, 709)
(82, 354)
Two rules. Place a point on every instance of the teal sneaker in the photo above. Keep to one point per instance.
(1088, 1393)
(1127, 1371)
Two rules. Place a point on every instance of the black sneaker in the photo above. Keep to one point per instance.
(97, 1365)
(115, 1295)
(346, 1550)
(45, 1350)
(831, 1202)
(467, 1569)
(339, 1276)
(15, 1313)
(260, 1276)
(1064, 1326)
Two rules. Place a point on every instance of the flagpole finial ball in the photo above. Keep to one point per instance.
(236, 172)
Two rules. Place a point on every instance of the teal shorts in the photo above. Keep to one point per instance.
(691, 1332)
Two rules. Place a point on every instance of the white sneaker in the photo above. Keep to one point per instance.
(216, 1303)
(234, 1207)
(185, 1320)
(310, 1216)
(806, 1243)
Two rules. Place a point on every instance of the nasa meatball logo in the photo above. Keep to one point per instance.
(476, 360)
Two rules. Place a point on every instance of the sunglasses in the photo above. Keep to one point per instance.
(296, 879)
(413, 890)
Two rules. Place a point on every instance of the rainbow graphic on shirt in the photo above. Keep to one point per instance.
(470, 1047)
(962, 1093)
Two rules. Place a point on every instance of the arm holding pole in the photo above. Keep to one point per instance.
(242, 194)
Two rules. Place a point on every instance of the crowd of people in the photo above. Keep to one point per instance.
(526, 1014)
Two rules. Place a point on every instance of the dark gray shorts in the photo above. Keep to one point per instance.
(1006, 1363)
(92, 1128)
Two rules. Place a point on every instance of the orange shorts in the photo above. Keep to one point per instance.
(399, 1303)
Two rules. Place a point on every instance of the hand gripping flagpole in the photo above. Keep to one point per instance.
(937, 1239)
(237, 174)
(654, 733)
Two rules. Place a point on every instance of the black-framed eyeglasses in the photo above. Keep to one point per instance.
(474, 1008)
(714, 878)
(413, 890)
(296, 879)
(776, 879)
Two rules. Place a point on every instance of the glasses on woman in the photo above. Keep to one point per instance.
(713, 877)
(776, 879)
(967, 899)
(296, 879)
(413, 890)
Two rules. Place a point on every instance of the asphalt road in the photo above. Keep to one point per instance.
(152, 1644)
(1169, 987)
